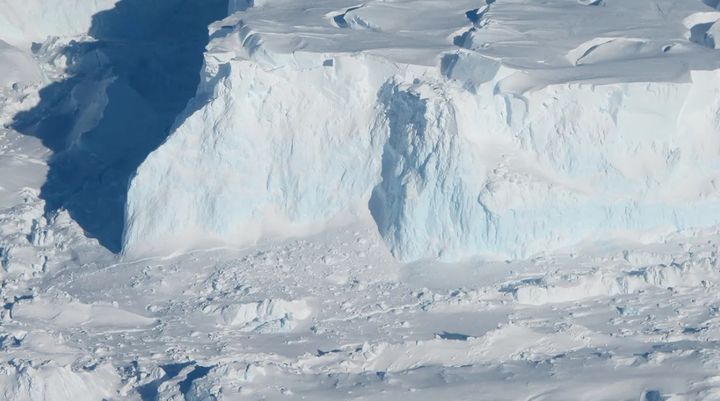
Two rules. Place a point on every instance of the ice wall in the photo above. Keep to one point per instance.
(453, 153)
(257, 160)
(569, 163)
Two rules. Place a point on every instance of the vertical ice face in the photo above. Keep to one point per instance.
(455, 157)
(273, 152)
(423, 203)
(29, 381)
(572, 163)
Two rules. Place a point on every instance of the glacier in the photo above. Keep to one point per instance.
(480, 130)
(459, 135)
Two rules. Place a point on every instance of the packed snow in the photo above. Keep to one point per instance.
(384, 200)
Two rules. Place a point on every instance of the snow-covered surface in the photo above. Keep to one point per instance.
(500, 131)
(576, 139)
(17, 67)
(334, 317)
(25, 22)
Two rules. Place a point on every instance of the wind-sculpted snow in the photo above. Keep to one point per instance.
(25, 381)
(28, 21)
(17, 67)
(457, 141)
(421, 204)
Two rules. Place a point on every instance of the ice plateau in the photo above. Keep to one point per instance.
(462, 131)
(429, 128)
(33, 21)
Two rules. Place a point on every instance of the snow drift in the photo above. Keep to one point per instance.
(457, 137)
(25, 22)
(48, 381)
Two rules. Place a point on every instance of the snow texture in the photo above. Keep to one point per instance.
(371, 132)
(33, 21)
(115, 95)
(461, 136)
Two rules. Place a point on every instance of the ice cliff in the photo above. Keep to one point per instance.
(463, 131)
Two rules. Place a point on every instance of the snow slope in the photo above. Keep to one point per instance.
(33, 21)
(18, 67)
(499, 131)
(334, 317)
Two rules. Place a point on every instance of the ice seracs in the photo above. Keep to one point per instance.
(499, 145)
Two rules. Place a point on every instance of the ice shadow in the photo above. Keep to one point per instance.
(698, 34)
(118, 104)
(712, 3)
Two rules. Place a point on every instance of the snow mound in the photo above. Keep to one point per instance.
(24, 381)
(267, 316)
(243, 187)
(699, 271)
(504, 344)
(32, 243)
(64, 313)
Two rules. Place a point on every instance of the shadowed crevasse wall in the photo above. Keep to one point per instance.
(118, 104)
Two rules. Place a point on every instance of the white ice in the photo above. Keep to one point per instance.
(463, 131)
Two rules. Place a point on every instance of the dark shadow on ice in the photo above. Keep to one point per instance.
(118, 104)
(712, 3)
(452, 336)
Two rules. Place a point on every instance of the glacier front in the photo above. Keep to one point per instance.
(462, 131)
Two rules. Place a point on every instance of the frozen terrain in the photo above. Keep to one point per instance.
(499, 131)
(205, 200)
